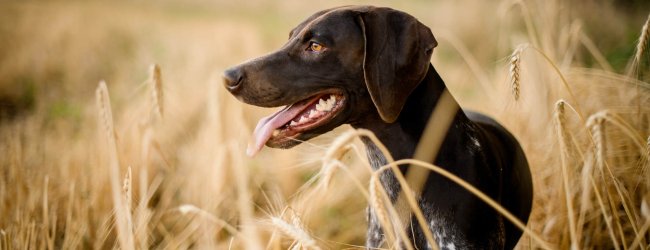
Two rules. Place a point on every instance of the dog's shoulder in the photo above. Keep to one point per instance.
(492, 130)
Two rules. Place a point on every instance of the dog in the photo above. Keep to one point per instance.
(370, 67)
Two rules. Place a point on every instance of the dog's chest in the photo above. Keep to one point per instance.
(446, 235)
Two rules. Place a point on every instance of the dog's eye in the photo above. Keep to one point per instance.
(315, 47)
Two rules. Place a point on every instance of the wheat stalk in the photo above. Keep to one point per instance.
(647, 162)
(122, 215)
(191, 209)
(379, 208)
(595, 123)
(515, 69)
(603, 211)
(49, 235)
(327, 172)
(4, 242)
(620, 123)
(560, 126)
(244, 200)
(560, 123)
(127, 188)
(628, 130)
(330, 161)
(295, 232)
(643, 41)
(645, 210)
(105, 113)
(70, 242)
(147, 141)
(155, 80)
(648, 147)
(143, 214)
(595, 52)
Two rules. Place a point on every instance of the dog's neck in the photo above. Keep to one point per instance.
(404, 134)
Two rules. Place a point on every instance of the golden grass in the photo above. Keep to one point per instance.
(165, 166)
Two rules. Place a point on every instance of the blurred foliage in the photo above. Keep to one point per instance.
(104, 39)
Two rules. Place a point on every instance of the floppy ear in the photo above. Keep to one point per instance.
(397, 53)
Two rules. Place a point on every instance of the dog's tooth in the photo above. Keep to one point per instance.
(319, 107)
(302, 119)
(332, 100)
(312, 113)
(293, 123)
(321, 102)
(330, 105)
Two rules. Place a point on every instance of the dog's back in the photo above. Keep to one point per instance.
(516, 185)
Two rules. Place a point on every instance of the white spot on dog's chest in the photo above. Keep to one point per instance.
(447, 237)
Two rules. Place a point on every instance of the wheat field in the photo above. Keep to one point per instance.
(116, 131)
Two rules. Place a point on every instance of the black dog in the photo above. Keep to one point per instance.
(369, 67)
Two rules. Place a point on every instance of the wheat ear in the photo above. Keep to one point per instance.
(155, 80)
(515, 68)
(127, 188)
(122, 215)
(295, 232)
(560, 126)
(643, 41)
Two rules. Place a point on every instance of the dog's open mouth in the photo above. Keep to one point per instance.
(295, 119)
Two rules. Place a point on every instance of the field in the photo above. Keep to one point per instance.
(116, 131)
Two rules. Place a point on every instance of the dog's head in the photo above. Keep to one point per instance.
(340, 65)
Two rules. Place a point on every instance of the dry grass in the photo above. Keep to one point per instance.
(163, 166)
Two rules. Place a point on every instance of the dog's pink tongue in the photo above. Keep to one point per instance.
(266, 126)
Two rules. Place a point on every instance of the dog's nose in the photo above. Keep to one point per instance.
(232, 78)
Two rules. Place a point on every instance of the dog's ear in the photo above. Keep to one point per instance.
(397, 53)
